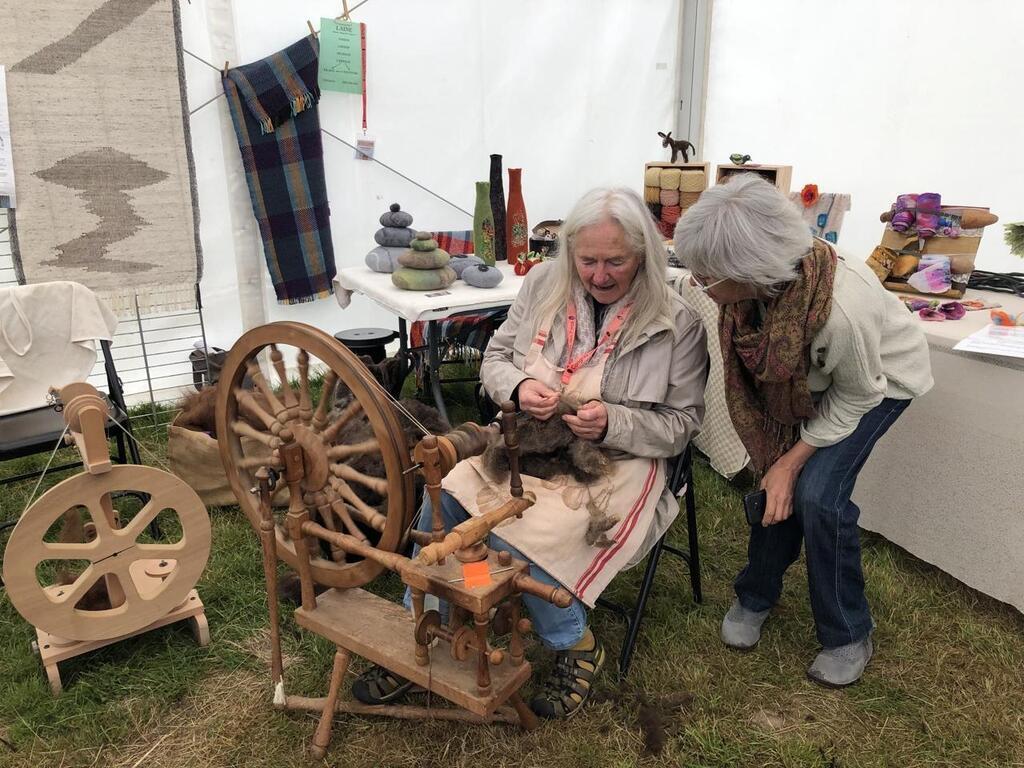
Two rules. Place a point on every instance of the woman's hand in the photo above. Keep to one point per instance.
(536, 399)
(590, 421)
(779, 482)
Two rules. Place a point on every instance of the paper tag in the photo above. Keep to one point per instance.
(364, 147)
(476, 574)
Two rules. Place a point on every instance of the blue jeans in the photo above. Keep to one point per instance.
(825, 520)
(558, 628)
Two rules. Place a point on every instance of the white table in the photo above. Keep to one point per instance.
(426, 306)
(947, 482)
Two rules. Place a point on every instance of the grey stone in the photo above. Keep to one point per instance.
(383, 259)
(459, 263)
(482, 276)
(394, 237)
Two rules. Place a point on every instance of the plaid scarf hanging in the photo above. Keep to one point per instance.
(273, 108)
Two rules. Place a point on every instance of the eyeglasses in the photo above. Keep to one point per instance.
(701, 283)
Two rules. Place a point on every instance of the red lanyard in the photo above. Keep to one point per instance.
(362, 41)
(606, 341)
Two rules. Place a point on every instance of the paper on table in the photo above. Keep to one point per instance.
(7, 199)
(995, 340)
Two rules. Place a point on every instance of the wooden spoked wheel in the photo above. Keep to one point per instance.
(351, 426)
(145, 581)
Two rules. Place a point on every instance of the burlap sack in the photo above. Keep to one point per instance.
(195, 458)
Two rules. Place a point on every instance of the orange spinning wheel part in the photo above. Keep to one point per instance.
(336, 417)
(151, 579)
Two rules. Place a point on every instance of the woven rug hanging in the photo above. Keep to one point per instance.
(273, 104)
(102, 158)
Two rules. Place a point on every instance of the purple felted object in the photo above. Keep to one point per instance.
(927, 224)
(932, 315)
(929, 202)
(916, 305)
(935, 278)
(952, 310)
(903, 212)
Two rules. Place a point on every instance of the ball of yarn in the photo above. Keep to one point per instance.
(482, 276)
(460, 263)
(422, 279)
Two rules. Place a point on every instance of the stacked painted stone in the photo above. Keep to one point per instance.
(393, 239)
(424, 267)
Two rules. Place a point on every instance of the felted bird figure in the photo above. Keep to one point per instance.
(738, 159)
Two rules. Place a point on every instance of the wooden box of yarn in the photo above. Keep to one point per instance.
(961, 251)
(671, 188)
(779, 175)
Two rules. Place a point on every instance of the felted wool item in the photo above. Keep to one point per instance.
(432, 259)
(692, 181)
(652, 194)
(423, 242)
(422, 279)
(669, 197)
(383, 259)
(394, 237)
(652, 177)
(670, 178)
(881, 262)
(482, 276)
(670, 213)
(904, 265)
(396, 217)
(459, 263)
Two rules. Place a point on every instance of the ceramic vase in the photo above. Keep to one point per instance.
(517, 233)
(498, 209)
(483, 224)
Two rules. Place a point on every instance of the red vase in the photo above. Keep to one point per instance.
(517, 233)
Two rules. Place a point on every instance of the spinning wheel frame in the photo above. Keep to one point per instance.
(295, 424)
(112, 552)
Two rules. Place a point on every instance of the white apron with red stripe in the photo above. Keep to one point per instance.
(552, 533)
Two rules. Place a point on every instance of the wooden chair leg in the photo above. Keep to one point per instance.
(322, 737)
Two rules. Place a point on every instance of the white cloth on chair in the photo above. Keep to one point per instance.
(48, 334)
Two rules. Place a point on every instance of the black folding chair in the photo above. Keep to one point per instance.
(36, 431)
(680, 481)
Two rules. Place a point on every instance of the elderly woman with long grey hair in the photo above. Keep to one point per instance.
(597, 340)
(820, 361)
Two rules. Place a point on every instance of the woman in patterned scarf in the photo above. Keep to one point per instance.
(819, 361)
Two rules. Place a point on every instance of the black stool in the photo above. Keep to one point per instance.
(367, 341)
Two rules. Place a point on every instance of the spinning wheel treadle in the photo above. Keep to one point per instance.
(150, 591)
(288, 419)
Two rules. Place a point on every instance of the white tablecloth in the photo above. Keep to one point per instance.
(425, 305)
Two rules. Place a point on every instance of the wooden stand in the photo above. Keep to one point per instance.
(52, 649)
(779, 175)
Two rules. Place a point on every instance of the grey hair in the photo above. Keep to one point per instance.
(746, 231)
(652, 299)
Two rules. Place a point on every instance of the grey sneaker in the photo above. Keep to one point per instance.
(842, 666)
(741, 629)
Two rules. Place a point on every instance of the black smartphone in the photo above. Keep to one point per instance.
(754, 504)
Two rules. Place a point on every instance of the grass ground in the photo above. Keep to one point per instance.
(944, 688)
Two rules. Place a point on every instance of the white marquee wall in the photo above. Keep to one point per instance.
(876, 98)
(573, 92)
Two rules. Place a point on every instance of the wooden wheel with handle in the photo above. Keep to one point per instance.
(356, 464)
(143, 581)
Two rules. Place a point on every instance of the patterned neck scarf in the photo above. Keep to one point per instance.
(766, 360)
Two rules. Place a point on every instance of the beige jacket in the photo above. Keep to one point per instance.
(653, 390)
(870, 348)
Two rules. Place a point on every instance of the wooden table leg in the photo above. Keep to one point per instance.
(527, 718)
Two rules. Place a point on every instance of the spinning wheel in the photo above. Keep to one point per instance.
(145, 582)
(332, 444)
